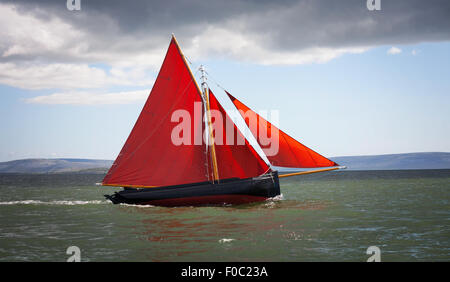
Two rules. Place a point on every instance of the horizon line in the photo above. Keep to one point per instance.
(343, 156)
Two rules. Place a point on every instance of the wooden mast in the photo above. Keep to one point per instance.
(205, 93)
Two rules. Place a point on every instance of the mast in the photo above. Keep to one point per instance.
(205, 93)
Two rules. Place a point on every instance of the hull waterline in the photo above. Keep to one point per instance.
(229, 191)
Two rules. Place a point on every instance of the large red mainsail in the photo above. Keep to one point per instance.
(235, 156)
(149, 157)
(291, 153)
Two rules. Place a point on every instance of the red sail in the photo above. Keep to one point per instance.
(149, 157)
(235, 156)
(290, 153)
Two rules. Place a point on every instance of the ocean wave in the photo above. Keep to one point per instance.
(64, 203)
(226, 240)
(137, 206)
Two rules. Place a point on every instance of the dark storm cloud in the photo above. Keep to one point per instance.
(42, 38)
(279, 26)
(149, 16)
(287, 24)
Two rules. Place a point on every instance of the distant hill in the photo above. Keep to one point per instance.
(55, 166)
(432, 160)
(435, 160)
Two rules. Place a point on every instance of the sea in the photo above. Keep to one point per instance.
(397, 215)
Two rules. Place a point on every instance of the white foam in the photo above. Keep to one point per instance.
(64, 203)
(225, 240)
(270, 202)
(276, 198)
(137, 206)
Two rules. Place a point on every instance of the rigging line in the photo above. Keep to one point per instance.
(192, 65)
(196, 67)
(268, 169)
(215, 82)
(197, 70)
(186, 57)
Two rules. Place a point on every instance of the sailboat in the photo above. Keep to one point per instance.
(201, 169)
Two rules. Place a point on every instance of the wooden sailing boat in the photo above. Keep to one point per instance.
(153, 170)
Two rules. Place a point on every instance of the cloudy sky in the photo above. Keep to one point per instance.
(346, 80)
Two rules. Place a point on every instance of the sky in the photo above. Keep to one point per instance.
(345, 80)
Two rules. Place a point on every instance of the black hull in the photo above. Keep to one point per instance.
(228, 191)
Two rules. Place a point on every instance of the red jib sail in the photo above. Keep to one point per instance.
(235, 156)
(291, 153)
(149, 157)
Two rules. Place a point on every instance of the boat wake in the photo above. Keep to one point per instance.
(271, 202)
(63, 203)
(276, 198)
(137, 206)
(95, 202)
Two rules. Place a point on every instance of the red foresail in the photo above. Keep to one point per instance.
(150, 157)
(290, 152)
(235, 156)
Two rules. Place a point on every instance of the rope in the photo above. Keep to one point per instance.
(215, 82)
(196, 67)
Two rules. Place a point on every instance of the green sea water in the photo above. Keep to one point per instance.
(333, 216)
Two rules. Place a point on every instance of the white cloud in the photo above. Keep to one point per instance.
(87, 98)
(50, 53)
(414, 52)
(31, 37)
(23, 34)
(42, 49)
(394, 51)
(224, 41)
(45, 53)
(41, 76)
(69, 76)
